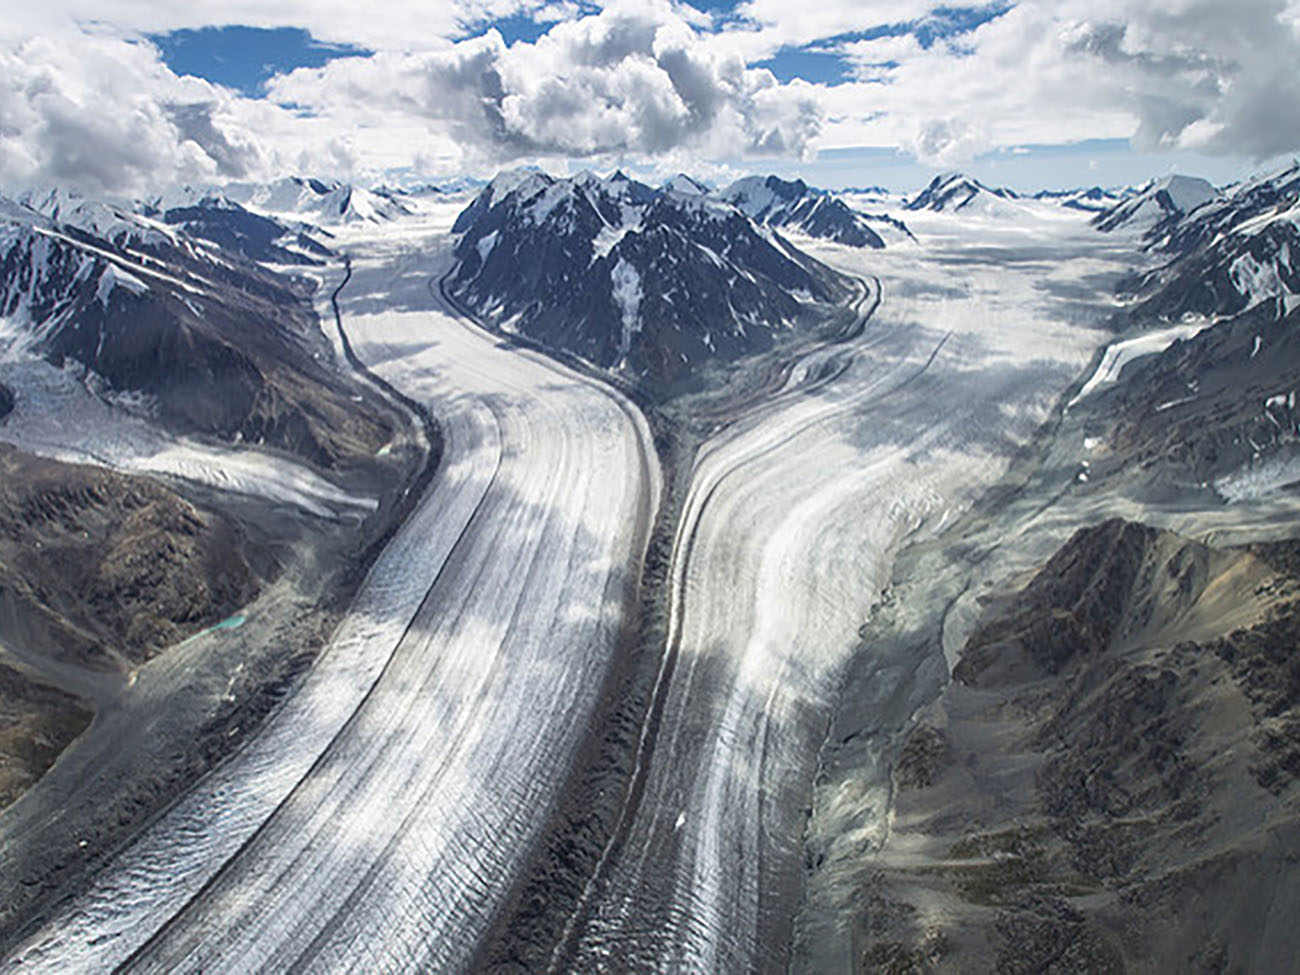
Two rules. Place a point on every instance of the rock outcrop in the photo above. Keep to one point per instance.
(1112, 781)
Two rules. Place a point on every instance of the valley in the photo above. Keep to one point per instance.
(662, 636)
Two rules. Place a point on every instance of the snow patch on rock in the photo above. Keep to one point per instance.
(627, 294)
(114, 277)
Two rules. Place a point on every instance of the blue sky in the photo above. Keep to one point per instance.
(824, 62)
(129, 94)
(245, 59)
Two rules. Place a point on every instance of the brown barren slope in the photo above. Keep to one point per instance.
(1112, 781)
(99, 571)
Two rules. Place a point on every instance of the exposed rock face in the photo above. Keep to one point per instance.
(950, 192)
(1228, 253)
(223, 347)
(652, 284)
(1255, 200)
(1219, 409)
(1223, 278)
(1072, 609)
(239, 231)
(99, 571)
(1111, 782)
(107, 567)
(37, 722)
(1265, 663)
(794, 205)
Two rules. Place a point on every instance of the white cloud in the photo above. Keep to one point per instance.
(381, 25)
(949, 142)
(1189, 74)
(104, 113)
(635, 80)
(774, 24)
(638, 81)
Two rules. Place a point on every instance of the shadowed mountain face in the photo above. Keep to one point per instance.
(951, 192)
(649, 283)
(220, 346)
(1217, 408)
(793, 205)
(1230, 253)
(239, 231)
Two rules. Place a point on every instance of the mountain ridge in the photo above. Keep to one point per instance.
(725, 285)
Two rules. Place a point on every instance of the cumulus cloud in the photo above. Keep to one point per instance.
(636, 79)
(615, 80)
(946, 142)
(97, 109)
(1187, 74)
(381, 25)
(104, 114)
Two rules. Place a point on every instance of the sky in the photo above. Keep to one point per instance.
(132, 96)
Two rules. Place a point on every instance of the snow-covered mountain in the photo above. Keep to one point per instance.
(199, 214)
(1093, 199)
(649, 282)
(216, 344)
(1242, 208)
(1159, 201)
(793, 205)
(455, 186)
(259, 238)
(953, 192)
(689, 185)
(114, 221)
(318, 201)
(1216, 397)
(1231, 252)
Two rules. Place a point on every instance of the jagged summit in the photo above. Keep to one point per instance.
(1231, 251)
(951, 192)
(794, 205)
(648, 282)
(1158, 201)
